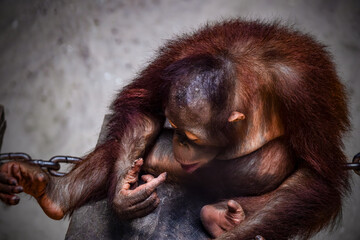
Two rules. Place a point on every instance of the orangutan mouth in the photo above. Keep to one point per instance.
(189, 168)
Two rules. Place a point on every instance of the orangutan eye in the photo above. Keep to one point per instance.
(183, 138)
(191, 136)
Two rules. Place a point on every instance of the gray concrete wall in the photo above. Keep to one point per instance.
(62, 61)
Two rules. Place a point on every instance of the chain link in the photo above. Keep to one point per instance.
(52, 166)
(355, 165)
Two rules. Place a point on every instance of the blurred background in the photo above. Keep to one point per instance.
(62, 61)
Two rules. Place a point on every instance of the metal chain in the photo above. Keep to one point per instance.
(355, 165)
(52, 165)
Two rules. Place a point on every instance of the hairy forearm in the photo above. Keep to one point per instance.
(133, 144)
(102, 170)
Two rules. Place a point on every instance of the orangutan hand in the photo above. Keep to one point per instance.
(221, 217)
(16, 177)
(138, 202)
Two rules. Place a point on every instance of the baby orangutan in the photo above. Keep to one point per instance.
(254, 113)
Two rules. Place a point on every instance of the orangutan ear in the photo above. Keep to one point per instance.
(236, 116)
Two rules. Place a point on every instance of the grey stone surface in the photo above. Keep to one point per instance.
(62, 61)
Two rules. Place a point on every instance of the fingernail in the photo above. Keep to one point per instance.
(134, 162)
(12, 182)
(15, 199)
(19, 189)
(258, 237)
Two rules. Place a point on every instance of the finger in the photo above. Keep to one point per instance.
(8, 189)
(136, 166)
(258, 237)
(147, 177)
(132, 175)
(9, 199)
(234, 214)
(145, 211)
(233, 206)
(145, 190)
(151, 200)
(15, 170)
(5, 178)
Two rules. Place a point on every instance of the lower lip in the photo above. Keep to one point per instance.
(189, 168)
